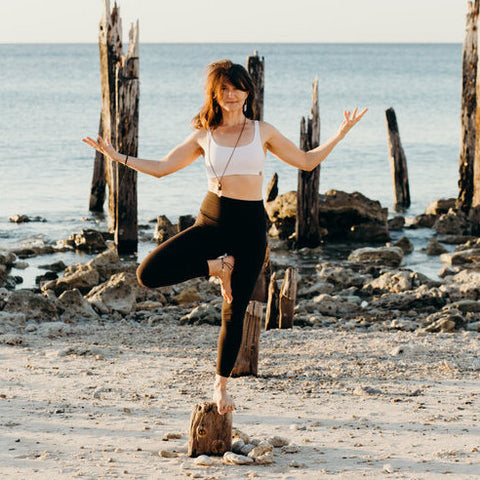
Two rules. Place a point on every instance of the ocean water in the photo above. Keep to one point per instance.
(50, 99)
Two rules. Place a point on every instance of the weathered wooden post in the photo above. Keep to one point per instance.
(210, 432)
(398, 162)
(307, 231)
(97, 190)
(110, 47)
(469, 106)
(127, 105)
(288, 297)
(120, 100)
(271, 316)
(247, 359)
(256, 69)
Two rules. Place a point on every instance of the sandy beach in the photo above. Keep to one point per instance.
(99, 400)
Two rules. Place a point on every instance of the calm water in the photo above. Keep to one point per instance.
(51, 99)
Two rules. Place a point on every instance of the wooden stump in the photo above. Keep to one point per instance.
(210, 432)
(247, 359)
(307, 229)
(398, 163)
(271, 317)
(468, 111)
(288, 297)
(260, 292)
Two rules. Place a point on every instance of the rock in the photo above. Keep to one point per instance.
(396, 223)
(172, 436)
(11, 339)
(326, 304)
(54, 267)
(188, 295)
(71, 305)
(452, 223)
(444, 322)
(423, 221)
(203, 460)
(84, 278)
(239, 434)
(235, 459)
(352, 217)
(46, 277)
(463, 285)
(164, 229)
(422, 298)
(36, 306)
(282, 213)
(87, 240)
(278, 441)
(405, 244)
(445, 272)
(391, 256)
(455, 239)
(237, 445)
(462, 257)
(262, 454)
(440, 206)
(342, 277)
(204, 313)
(391, 282)
(315, 289)
(362, 390)
(167, 454)
(246, 449)
(434, 248)
(53, 329)
(12, 318)
(290, 449)
(464, 306)
(7, 258)
(25, 219)
(115, 295)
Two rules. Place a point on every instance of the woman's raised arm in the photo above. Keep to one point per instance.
(180, 157)
(289, 153)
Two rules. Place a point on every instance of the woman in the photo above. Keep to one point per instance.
(228, 239)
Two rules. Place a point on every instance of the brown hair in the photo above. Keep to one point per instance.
(218, 73)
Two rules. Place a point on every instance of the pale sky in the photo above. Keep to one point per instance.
(251, 21)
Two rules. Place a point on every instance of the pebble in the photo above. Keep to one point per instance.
(262, 454)
(203, 460)
(167, 454)
(235, 459)
(172, 436)
(387, 468)
(290, 449)
(278, 441)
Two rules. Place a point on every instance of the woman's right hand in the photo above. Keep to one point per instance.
(102, 146)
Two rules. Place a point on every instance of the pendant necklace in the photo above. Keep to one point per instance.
(219, 180)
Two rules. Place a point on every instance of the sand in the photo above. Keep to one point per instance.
(97, 400)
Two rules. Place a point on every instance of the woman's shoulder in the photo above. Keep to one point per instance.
(267, 130)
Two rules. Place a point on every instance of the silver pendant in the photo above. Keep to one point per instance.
(219, 189)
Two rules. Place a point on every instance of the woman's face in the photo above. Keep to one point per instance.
(231, 98)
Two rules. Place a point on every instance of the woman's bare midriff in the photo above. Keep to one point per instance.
(240, 187)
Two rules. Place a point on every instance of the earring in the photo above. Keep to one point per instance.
(245, 107)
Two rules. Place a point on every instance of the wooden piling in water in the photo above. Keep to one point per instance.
(97, 189)
(469, 106)
(256, 69)
(398, 163)
(120, 101)
(127, 110)
(307, 231)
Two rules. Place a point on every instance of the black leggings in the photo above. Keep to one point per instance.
(223, 226)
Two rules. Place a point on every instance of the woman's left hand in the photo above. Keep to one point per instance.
(350, 120)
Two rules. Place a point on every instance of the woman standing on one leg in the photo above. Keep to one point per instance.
(228, 239)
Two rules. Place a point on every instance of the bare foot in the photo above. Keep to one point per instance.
(222, 268)
(223, 400)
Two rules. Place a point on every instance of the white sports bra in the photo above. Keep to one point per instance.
(246, 160)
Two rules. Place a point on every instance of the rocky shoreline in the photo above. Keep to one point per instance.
(368, 291)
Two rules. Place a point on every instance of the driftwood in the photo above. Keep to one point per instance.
(271, 317)
(97, 190)
(307, 231)
(398, 163)
(126, 123)
(247, 359)
(210, 432)
(256, 69)
(469, 106)
(260, 292)
(288, 297)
